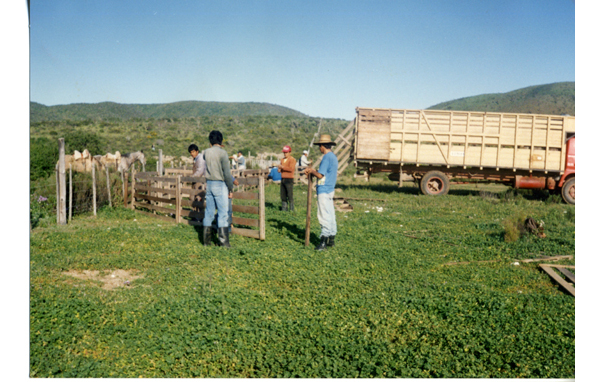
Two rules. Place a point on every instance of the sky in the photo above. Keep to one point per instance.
(322, 58)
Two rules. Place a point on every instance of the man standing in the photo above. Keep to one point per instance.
(219, 188)
(327, 177)
(303, 162)
(287, 168)
(241, 161)
(198, 170)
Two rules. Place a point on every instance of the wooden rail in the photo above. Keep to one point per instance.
(180, 198)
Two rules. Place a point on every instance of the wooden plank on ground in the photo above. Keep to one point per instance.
(568, 274)
(553, 258)
(568, 287)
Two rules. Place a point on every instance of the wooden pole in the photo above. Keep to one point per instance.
(308, 208)
(178, 200)
(160, 162)
(108, 188)
(70, 192)
(62, 212)
(261, 208)
(133, 187)
(57, 195)
(94, 186)
(125, 179)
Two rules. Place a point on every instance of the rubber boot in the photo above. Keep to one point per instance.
(207, 236)
(291, 206)
(284, 206)
(223, 233)
(331, 241)
(323, 244)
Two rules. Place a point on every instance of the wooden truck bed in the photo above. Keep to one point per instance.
(459, 138)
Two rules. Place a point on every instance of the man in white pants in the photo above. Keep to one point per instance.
(327, 177)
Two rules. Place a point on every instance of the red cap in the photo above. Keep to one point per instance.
(287, 149)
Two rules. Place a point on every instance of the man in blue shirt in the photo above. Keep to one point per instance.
(327, 177)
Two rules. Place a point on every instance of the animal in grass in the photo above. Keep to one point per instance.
(128, 159)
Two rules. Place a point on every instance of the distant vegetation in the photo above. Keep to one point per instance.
(557, 99)
(186, 109)
(255, 127)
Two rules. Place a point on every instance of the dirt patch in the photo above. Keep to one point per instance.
(118, 278)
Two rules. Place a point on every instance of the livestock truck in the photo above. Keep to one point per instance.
(530, 151)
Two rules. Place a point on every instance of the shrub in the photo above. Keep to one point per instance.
(514, 226)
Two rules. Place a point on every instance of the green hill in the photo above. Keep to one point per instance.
(184, 109)
(556, 99)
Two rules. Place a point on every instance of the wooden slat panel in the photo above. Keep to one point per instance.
(245, 221)
(170, 191)
(245, 195)
(246, 232)
(154, 198)
(193, 179)
(245, 209)
(193, 214)
(191, 192)
(155, 208)
(193, 203)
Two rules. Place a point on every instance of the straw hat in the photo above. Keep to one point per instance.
(325, 138)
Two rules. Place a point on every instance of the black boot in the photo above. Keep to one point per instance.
(323, 244)
(284, 206)
(207, 236)
(291, 206)
(331, 241)
(223, 233)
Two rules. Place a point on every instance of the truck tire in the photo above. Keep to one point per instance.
(568, 191)
(435, 183)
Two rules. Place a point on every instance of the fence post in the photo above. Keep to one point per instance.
(178, 200)
(261, 207)
(57, 195)
(108, 187)
(160, 162)
(125, 179)
(94, 186)
(70, 192)
(133, 187)
(62, 211)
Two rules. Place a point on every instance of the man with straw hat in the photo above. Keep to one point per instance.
(326, 179)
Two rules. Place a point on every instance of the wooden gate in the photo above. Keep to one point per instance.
(179, 198)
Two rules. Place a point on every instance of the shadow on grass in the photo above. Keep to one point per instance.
(294, 232)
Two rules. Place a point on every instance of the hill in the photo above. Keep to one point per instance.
(184, 109)
(557, 98)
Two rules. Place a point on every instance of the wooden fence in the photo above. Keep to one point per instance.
(180, 198)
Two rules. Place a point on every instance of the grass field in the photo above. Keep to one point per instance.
(384, 302)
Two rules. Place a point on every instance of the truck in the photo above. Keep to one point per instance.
(526, 151)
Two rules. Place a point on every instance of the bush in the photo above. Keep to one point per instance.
(43, 155)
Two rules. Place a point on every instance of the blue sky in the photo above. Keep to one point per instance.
(322, 58)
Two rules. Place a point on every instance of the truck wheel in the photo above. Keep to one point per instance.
(568, 191)
(435, 183)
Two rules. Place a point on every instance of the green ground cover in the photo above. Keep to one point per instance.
(383, 303)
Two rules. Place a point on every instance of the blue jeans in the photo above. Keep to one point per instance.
(326, 214)
(216, 199)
